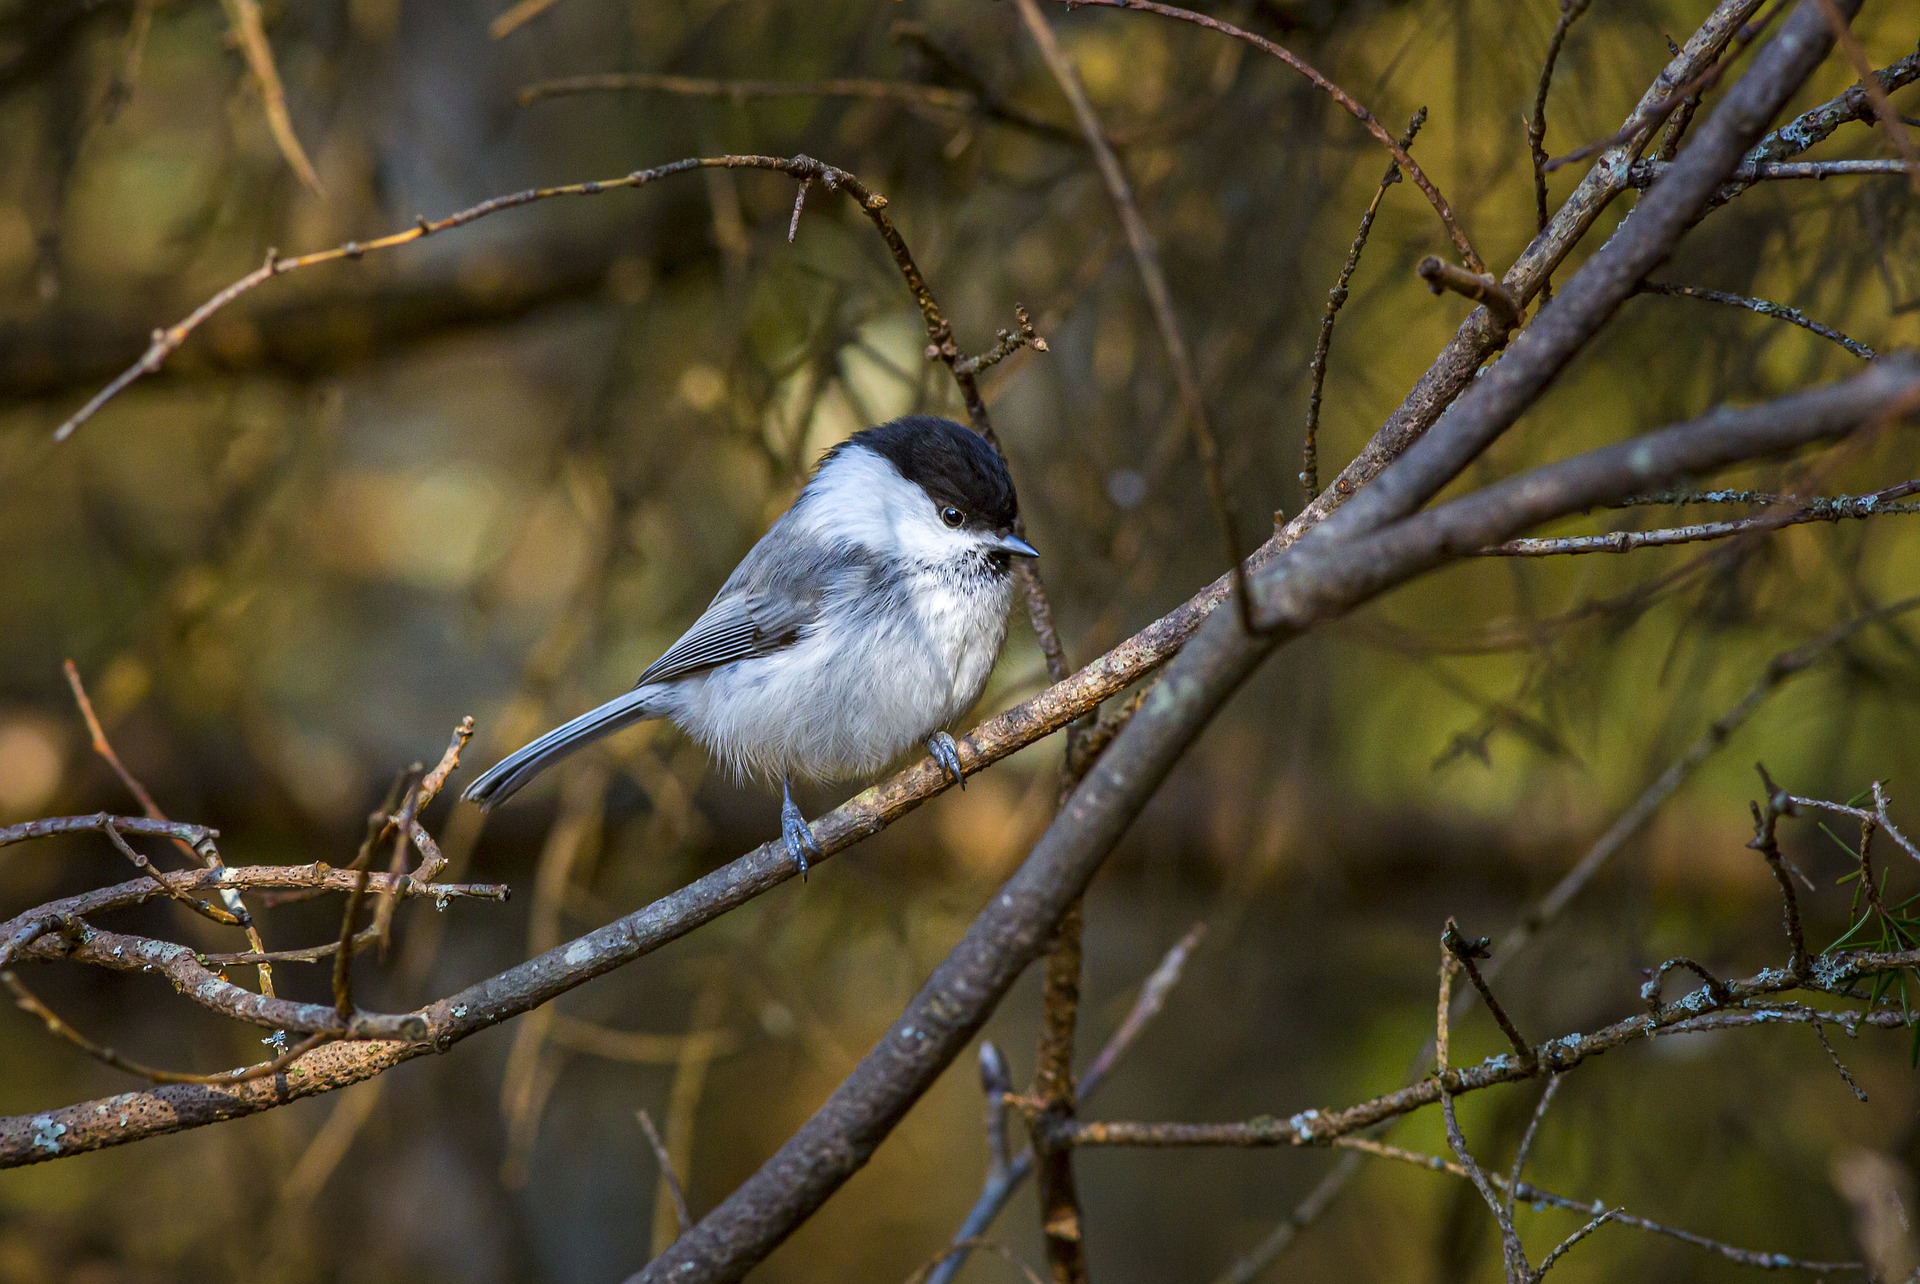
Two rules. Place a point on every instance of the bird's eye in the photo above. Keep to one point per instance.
(952, 516)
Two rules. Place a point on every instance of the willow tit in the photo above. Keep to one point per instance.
(864, 622)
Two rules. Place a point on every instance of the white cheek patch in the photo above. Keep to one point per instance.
(862, 498)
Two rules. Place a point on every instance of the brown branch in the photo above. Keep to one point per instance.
(197, 837)
(1465, 953)
(1691, 91)
(1876, 93)
(1481, 287)
(1570, 11)
(872, 204)
(1061, 1221)
(1153, 281)
(1337, 299)
(1005, 1174)
(251, 35)
(522, 12)
(1693, 1014)
(57, 1026)
(1366, 118)
(1527, 1193)
(667, 1176)
(1880, 503)
(148, 868)
(1778, 311)
(1632, 821)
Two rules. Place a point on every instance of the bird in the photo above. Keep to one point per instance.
(864, 622)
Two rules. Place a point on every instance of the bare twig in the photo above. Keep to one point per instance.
(1454, 957)
(1765, 840)
(1818, 123)
(1779, 312)
(1465, 953)
(1004, 1178)
(1153, 280)
(251, 35)
(1749, 1005)
(1010, 342)
(1366, 118)
(1529, 1194)
(203, 853)
(667, 1176)
(1876, 93)
(1061, 1221)
(1644, 174)
(1337, 299)
(1846, 1076)
(57, 1026)
(1525, 1149)
(1787, 511)
(522, 12)
(1481, 287)
(1692, 90)
(1570, 11)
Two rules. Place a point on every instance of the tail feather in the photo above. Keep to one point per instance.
(507, 776)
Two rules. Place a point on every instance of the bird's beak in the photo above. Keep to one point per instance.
(1017, 546)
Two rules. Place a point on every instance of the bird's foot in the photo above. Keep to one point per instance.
(794, 829)
(947, 754)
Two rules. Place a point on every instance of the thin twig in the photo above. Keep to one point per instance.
(1778, 311)
(1841, 508)
(1766, 821)
(667, 1175)
(1466, 952)
(1692, 89)
(995, 1085)
(1846, 1076)
(1481, 287)
(1367, 119)
(1570, 11)
(1883, 108)
(1153, 281)
(251, 35)
(203, 853)
(1525, 1148)
(522, 12)
(29, 1003)
(1337, 299)
(1528, 1194)
(1454, 957)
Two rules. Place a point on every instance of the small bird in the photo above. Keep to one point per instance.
(865, 621)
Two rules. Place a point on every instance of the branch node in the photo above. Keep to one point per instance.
(1481, 287)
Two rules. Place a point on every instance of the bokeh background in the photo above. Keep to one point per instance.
(498, 471)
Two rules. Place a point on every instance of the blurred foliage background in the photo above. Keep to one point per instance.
(496, 472)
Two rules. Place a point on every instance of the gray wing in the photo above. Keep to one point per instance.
(769, 600)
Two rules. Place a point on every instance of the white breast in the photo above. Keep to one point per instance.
(871, 679)
(849, 698)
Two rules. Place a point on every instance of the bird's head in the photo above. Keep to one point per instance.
(919, 487)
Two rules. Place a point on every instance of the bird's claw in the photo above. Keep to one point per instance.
(947, 754)
(798, 836)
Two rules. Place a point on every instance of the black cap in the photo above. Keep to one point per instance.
(953, 464)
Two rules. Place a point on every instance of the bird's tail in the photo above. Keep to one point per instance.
(519, 767)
